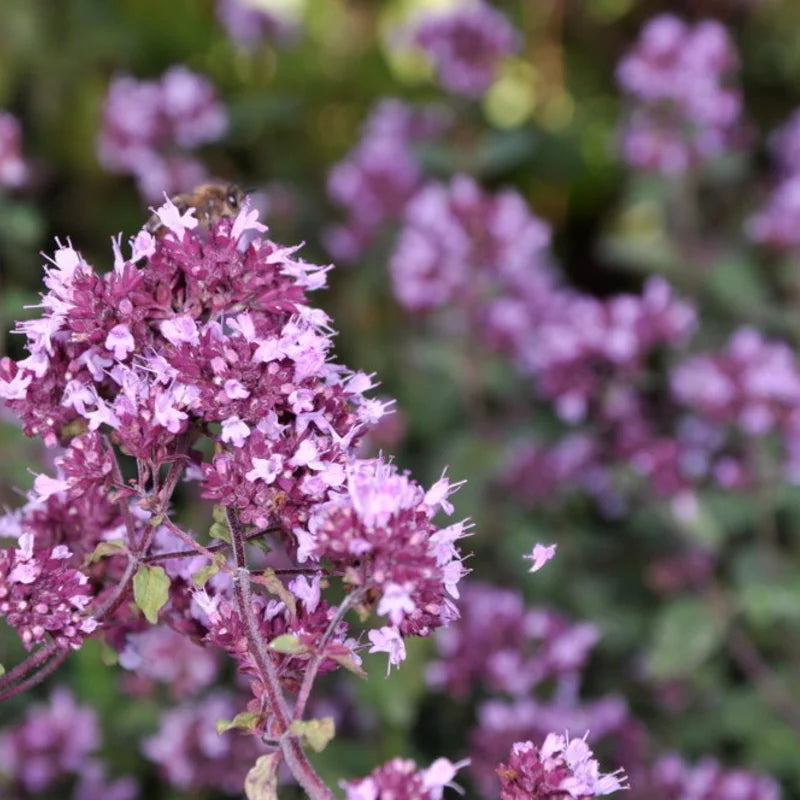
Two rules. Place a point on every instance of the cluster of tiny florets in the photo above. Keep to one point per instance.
(379, 530)
(40, 595)
(561, 769)
(401, 779)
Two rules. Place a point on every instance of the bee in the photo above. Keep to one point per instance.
(211, 201)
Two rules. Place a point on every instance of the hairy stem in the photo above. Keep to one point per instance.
(198, 548)
(37, 677)
(293, 753)
(117, 597)
(33, 662)
(775, 693)
(315, 663)
(124, 506)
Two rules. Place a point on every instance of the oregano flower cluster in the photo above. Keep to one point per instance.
(197, 358)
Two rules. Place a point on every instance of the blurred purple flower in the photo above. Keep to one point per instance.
(671, 777)
(521, 647)
(249, 23)
(376, 179)
(685, 108)
(160, 654)
(53, 742)
(193, 756)
(147, 126)
(460, 243)
(14, 171)
(777, 223)
(466, 44)
(93, 785)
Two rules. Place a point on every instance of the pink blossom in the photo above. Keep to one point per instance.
(120, 341)
(388, 640)
(396, 602)
(541, 554)
(179, 330)
(234, 430)
(174, 220)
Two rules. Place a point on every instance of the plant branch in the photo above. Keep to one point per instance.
(293, 753)
(33, 662)
(777, 696)
(37, 677)
(319, 656)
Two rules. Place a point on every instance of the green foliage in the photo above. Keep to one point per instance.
(150, 591)
(316, 733)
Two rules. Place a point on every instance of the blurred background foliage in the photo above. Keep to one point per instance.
(710, 670)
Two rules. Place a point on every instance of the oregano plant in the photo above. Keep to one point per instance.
(198, 362)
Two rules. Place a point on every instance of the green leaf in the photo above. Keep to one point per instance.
(687, 632)
(2, 670)
(150, 591)
(287, 643)
(316, 733)
(246, 721)
(765, 603)
(220, 530)
(110, 548)
(204, 573)
(261, 782)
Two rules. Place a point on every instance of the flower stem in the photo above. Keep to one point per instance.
(293, 753)
(319, 656)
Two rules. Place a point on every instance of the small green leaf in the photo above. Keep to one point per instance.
(2, 670)
(316, 733)
(204, 573)
(150, 591)
(771, 600)
(687, 632)
(246, 721)
(287, 643)
(220, 530)
(110, 548)
(220, 514)
(261, 782)
(274, 585)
